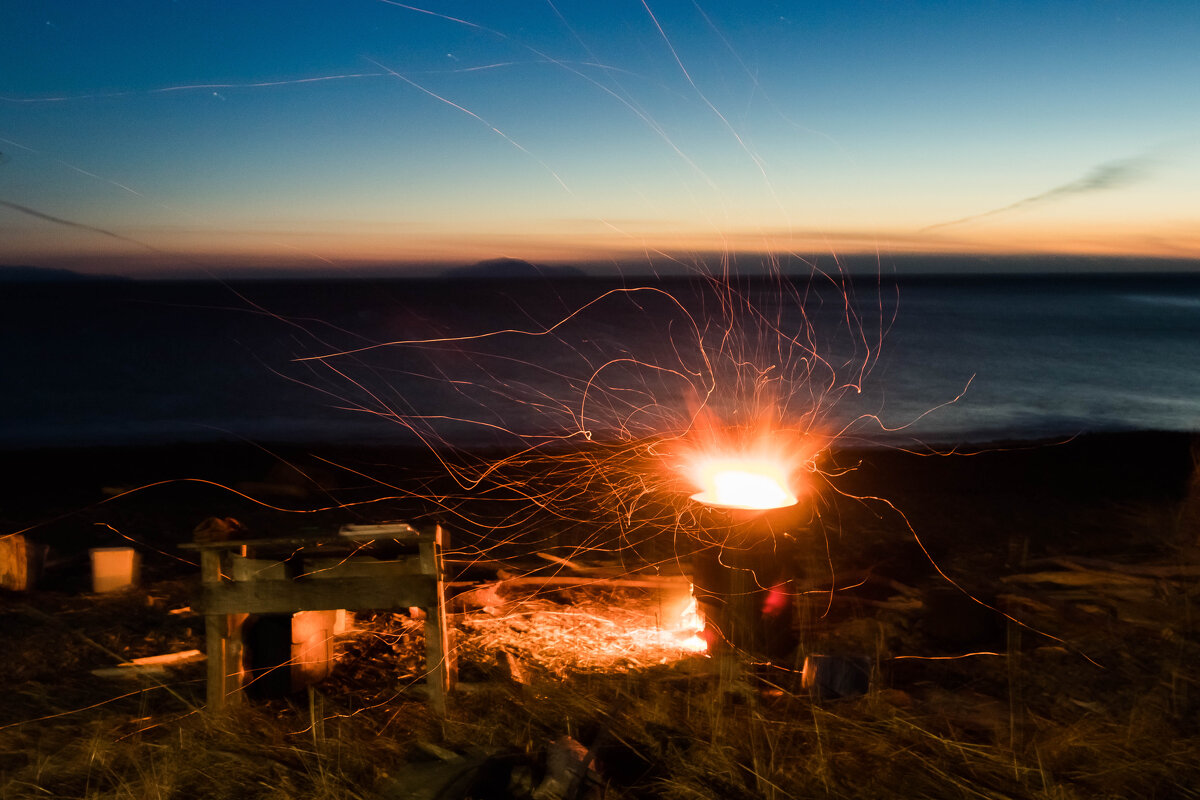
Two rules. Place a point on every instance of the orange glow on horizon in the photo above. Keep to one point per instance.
(324, 248)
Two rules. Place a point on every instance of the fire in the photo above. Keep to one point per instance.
(744, 483)
(757, 465)
(690, 627)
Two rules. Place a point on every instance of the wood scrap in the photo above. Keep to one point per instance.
(1080, 577)
(562, 561)
(582, 582)
(1083, 564)
(167, 659)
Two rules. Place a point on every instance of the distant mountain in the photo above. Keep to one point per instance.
(23, 274)
(511, 269)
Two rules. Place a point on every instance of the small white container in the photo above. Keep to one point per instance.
(114, 568)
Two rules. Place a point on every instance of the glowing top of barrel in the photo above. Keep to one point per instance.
(748, 484)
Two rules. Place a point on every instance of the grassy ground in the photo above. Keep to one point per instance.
(1086, 684)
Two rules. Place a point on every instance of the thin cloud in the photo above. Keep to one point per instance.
(1109, 175)
(71, 224)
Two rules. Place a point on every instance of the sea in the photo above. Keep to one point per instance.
(933, 360)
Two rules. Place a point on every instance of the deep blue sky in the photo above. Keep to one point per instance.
(157, 136)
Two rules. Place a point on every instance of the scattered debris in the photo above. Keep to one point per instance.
(149, 665)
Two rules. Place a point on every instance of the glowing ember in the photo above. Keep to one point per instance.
(744, 484)
(586, 630)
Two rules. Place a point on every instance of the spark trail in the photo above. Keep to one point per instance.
(584, 426)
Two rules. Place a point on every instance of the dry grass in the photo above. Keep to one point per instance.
(1103, 701)
(1036, 721)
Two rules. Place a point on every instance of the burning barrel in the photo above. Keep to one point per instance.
(740, 576)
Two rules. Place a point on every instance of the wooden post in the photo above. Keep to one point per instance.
(15, 562)
(223, 642)
(439, 660)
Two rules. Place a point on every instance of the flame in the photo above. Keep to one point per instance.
(744, 483)
(691, 626)
(757, 465)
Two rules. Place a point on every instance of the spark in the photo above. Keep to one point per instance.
(475, 116)
(212, 88)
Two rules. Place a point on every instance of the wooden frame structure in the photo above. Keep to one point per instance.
(361, 567)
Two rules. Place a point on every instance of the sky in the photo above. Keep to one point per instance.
(163, 138)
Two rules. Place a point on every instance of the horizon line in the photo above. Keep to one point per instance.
(852, 265)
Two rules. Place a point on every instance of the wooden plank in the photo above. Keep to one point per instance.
(400, 531)
(350, 541)
(256, 569)
(290, 541)
(1082, 564)
(361, 567)
(283, 597)
(1081, 577)
(626, 583)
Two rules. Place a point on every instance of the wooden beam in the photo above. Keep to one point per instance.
(284, 597)
(351, 540)
(439, 657)
(564, 582)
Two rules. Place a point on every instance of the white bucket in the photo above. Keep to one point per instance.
(114, 568)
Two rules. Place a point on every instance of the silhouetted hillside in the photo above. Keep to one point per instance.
(24, 274)
(511, 269)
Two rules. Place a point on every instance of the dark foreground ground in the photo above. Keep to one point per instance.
(1024, 617)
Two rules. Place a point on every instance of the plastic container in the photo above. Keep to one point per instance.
(114, 568)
